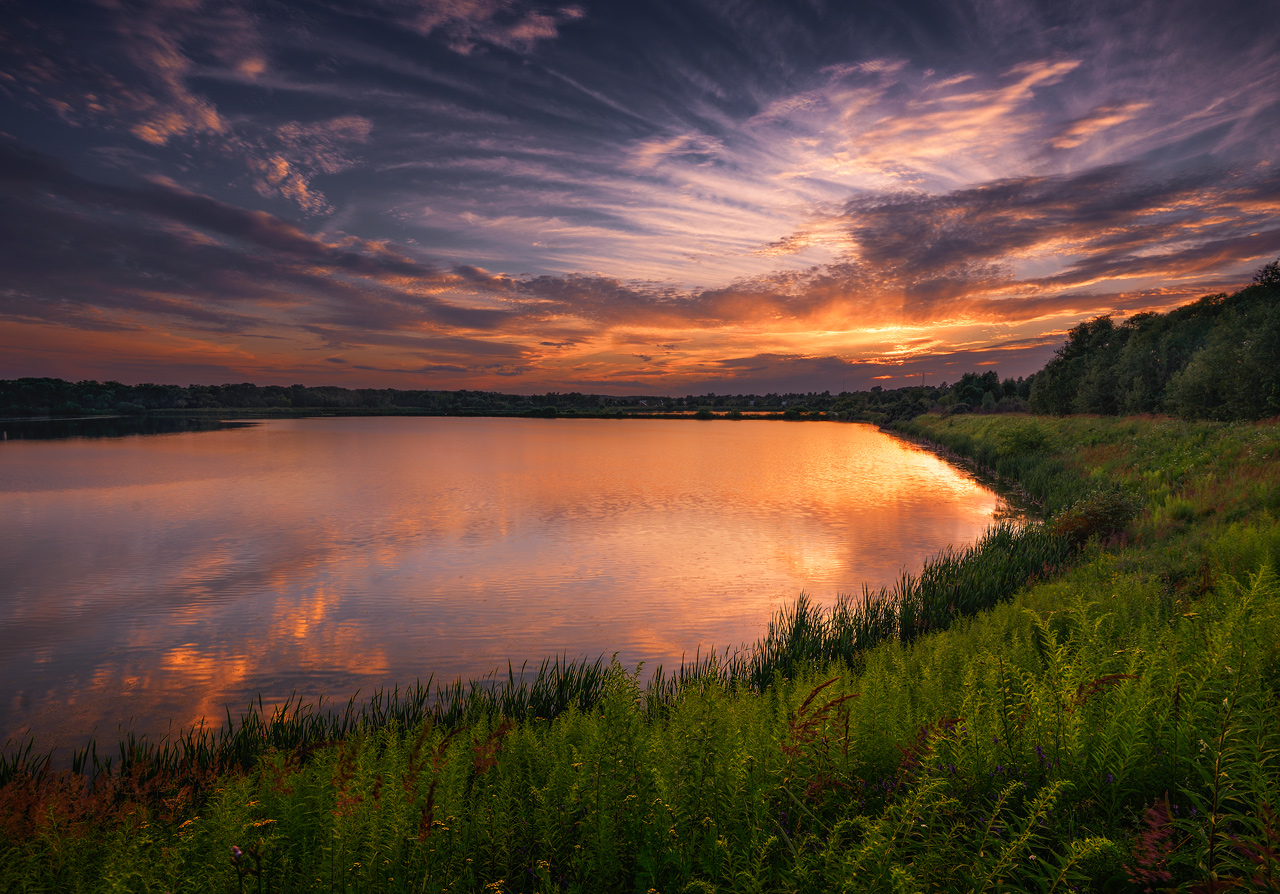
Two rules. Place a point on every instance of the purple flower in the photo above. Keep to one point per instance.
(236, 854)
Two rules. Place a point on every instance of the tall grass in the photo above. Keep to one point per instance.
(204, 751)
(955, 583)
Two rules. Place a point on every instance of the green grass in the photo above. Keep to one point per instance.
(1104, 720)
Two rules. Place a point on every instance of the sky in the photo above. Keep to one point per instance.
(623, 198)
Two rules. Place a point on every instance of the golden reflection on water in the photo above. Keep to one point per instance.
(162, 578)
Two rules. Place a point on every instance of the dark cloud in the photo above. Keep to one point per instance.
(77, 245)
(27, 172)
(780, 373)
(1103, 222)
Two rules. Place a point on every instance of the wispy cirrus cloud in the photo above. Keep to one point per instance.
(130, 66)
(465, 23)
(138, 68)
(954, 272)
(1097, 121)
(295, 153)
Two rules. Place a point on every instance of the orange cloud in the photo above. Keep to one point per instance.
(1100, 119)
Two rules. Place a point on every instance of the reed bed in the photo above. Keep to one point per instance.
(202, 752)
(952, 584)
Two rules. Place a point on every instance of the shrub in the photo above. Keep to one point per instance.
(1103, 514)
(1022, 438)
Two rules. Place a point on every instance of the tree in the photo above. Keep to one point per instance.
(1268, 276)
(1079, 378)
(1139, 371)
(1236, 375)
(970, 388)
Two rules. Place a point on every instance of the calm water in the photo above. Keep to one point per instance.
(159, 578)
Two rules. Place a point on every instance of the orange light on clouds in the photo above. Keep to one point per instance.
(826, 210)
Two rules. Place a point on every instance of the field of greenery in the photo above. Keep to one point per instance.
(1084, 704)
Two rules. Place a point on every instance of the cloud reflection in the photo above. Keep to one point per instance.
(325, 556)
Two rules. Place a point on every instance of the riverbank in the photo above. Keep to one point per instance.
(1101, 722)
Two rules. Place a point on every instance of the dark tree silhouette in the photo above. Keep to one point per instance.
(1269, 275)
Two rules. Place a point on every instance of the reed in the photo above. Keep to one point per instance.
(202, 752)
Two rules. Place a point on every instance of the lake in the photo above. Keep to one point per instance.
(159, 578)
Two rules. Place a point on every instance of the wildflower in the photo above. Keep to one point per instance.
(236, 854)
(1153, 847)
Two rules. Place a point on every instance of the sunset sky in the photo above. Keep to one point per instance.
(640, 197)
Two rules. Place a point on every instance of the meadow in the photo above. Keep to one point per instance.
(1087, 703)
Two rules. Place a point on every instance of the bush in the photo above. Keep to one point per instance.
(1103, 514)
(1022, 439)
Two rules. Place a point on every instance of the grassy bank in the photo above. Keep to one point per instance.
(1090, 705)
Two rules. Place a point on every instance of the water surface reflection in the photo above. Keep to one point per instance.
(161, 579)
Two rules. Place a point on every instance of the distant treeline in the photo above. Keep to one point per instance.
(1216, 358)
(57, 397)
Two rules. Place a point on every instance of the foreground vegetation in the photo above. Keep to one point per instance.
(1087, 705)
